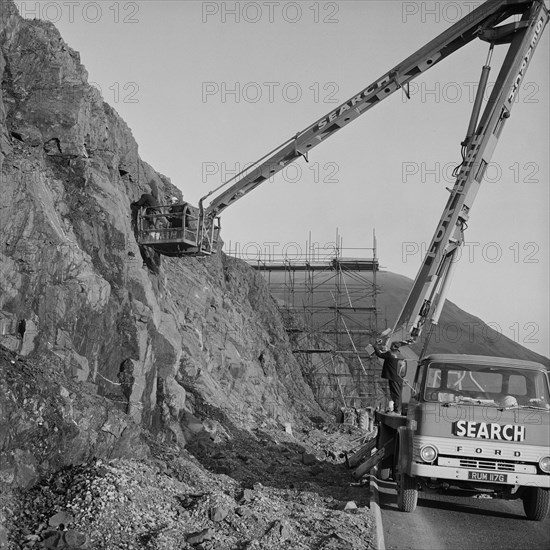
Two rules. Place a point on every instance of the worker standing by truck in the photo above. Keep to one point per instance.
(390, 371)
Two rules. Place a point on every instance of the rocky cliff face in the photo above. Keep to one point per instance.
(78, 296)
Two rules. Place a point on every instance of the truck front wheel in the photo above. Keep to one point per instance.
(536, 503)
(407, 493)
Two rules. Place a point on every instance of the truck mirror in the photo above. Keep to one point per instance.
(402, 368)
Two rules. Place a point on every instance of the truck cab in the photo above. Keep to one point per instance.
(476, 423)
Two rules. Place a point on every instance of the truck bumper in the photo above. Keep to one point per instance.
(463, 474)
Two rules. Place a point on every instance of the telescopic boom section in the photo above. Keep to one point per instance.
(482, 19)
(429, 287)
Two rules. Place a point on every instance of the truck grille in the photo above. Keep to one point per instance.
(486, 464)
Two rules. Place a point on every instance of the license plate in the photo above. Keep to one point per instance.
(488, 476)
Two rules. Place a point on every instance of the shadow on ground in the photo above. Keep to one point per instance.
(276, 459)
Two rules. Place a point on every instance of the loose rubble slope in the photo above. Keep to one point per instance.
(230, 488)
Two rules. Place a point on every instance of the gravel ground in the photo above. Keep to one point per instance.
(265, 489)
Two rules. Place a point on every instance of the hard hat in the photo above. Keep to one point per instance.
(394, 345)
(509, 401)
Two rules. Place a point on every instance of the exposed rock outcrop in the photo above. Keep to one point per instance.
(78, 294)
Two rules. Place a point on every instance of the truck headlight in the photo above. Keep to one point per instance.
(544, 464)
(428, 453)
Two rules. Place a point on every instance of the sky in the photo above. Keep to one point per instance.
(207, 87)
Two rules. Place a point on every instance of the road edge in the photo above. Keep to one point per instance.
(375, 501)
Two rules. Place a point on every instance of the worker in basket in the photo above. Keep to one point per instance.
(152, 205)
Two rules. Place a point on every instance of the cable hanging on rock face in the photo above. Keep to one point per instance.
(107, 379)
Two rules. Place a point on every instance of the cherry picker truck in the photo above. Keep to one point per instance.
(477, 423)
(473, 423)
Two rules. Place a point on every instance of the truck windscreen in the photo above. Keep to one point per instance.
(506, 387)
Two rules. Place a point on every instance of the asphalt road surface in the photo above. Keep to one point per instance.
(459, 523)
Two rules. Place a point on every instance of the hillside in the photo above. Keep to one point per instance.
(458, 331)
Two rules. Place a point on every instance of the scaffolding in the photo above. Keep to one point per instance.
(328, 299)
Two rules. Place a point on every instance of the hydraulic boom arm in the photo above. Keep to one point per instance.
(429, 289)
(479, 23)
(177, 230)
